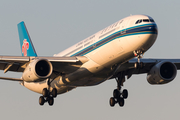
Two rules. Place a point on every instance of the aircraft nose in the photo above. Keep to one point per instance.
(153, 29)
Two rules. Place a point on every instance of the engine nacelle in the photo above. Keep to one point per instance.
(37, 70)
(162, 73)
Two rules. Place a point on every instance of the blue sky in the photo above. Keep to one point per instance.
(56, 25)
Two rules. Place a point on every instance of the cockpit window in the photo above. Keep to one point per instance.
(144, 20)
(137, 22)
(140, 21)
(151, 20)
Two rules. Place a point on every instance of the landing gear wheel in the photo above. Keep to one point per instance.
(121, 102)
(112, 102)
(45, 92)
(136, 65)
(125, 94)
(54, 92)
(41, 100)
(51, 101)
(120, 95)
(141, 65)
(48, 96)
(116, 93)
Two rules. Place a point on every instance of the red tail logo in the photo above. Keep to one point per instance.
(25, 47)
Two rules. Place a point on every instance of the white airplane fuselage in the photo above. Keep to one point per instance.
(105, 49)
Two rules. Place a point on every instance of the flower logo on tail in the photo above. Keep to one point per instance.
(25, 47)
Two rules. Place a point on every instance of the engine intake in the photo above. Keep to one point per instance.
(42, 68)
(162, 73)
(37, 70)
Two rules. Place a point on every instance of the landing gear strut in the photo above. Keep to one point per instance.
(118, 96)
(138, 64)
(48, 96)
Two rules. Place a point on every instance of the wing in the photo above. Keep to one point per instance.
(19, 63)
(60, 64)
(129, 67)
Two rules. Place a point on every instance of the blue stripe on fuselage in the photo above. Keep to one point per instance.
(136, 30)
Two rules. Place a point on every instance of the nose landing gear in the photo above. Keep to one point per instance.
(138, 64)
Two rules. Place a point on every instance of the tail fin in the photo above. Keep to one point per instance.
(27, 48)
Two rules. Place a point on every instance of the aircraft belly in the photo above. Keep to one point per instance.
(87, 75)
(39, 86)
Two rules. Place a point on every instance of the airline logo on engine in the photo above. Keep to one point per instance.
(25, 47)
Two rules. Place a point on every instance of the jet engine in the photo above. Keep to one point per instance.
(37, 70)
(162, 73)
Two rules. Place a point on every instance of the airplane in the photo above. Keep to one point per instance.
(112, 53)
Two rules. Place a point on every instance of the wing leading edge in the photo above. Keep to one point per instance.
(129, 67)
(60, 64)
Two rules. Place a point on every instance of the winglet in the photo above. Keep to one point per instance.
(27, 48)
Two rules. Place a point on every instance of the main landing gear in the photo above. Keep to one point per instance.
(48, 96)
(118, 96)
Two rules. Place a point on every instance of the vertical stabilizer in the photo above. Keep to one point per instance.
(27, 48)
